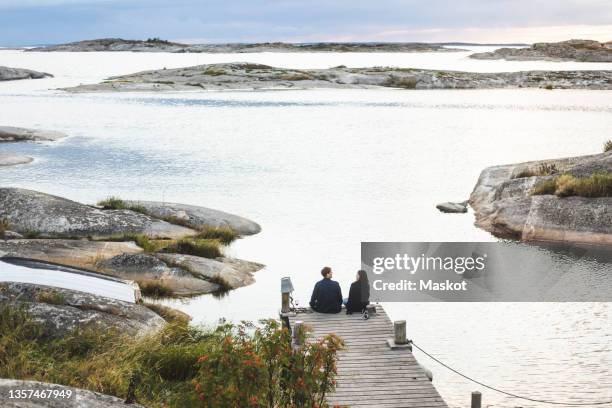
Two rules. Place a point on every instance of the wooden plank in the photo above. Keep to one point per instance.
(370, 374)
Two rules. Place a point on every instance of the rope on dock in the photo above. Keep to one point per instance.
(590, 404)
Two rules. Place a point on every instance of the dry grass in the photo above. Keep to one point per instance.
(4, 226)
(566, 185)
(401, 82)
(544, 169)
(51, 297)
(206, 248)
(167, 313)
(225, 235)
(154, 288)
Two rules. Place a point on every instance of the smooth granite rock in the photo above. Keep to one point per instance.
(81, 398)
(11, 74)
(71, 309)
(196, 217)
(504, 206)
(450, 207)
(18, 134)
(32, 212)
(9, 159)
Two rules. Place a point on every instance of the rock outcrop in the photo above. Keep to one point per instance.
(195, 216)
(61, 311)
(503, 203)
(450, 207)
(79, 398)
(44, 215)
(157, 45)
(257, 76)
(78, 253)
(18, 134)
(47, 228)
(572, 50)
(9, 159)
(11, 74)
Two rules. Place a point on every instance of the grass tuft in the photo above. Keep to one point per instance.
(4, 226)
(154, 288)
(116, 203)
(51, 297)
(206, 248)
(225, 235)
(544, 169)
(566, 185)
(608, 146)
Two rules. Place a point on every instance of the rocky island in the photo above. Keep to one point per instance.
(572, 50)
(258, 76)
(158, 45)
(565, 200)
(16, 134)
(169, 250)
(11, 74)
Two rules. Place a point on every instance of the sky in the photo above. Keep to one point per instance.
(31, 22)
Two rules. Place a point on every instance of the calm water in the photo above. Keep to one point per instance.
(323, 170)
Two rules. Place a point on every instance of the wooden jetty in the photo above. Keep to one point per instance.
(373, 371)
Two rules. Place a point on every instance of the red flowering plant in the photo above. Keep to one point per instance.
(257, 366)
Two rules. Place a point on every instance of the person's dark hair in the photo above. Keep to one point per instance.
(363, 277)
(325, 271)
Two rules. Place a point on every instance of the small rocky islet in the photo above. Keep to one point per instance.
(567, 200)
(11, 134)
(228, 76)
(159, 45)
(13, 74)
(571, 50)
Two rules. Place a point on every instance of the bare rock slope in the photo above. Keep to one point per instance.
(257, 76)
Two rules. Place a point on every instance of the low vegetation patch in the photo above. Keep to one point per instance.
(544, 169)
(51, 297)
(225, 235)
(206, 248)
(566, 185)
(154, 288)
(4, 226)
(169, 314)
(608, 146)
(116, 203)
(180, 366)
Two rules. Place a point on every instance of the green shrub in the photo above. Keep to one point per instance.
(566, 185)
(179, 366)
(225, 235)
(608, 146)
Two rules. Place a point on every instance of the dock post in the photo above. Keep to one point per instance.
(298, 329)
(285, 303)
(476, 399)
(399, 328)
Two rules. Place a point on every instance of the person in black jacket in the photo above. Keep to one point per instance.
(326, 296)
(359, 294)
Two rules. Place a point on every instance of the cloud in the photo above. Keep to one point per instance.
(52, 21)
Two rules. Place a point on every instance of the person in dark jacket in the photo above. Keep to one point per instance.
(359, 294)
(326, 295)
